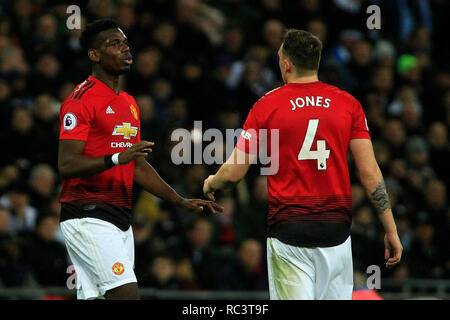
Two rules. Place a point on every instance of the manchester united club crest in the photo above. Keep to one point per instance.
(133, 111)
(118, 268)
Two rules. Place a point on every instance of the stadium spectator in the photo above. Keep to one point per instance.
(424, 257)
(17, 200)
(436, 203)
(161, 273)
(13, 271)
(184, 275)
(405, 231)
(364, 236)
(45, 255)
(252, 220)
(9, 174)
(42, 186)
(43, 39)
(245, 272)
(146, 244)
(19, 138)
(226, 233)
(198, 247)
(437, 138)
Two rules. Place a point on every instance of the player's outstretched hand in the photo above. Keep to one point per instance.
(393, 247)
(140, 149)
(198, 205)
(208, 191)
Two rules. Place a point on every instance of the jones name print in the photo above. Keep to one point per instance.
(307, 101)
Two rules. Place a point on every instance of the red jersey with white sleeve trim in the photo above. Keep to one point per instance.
(108, 123)
(310, 195)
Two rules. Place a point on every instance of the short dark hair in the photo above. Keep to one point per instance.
(89, 37)
(303, 49)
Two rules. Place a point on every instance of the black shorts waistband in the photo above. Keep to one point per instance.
(310, 233)
(120, 217)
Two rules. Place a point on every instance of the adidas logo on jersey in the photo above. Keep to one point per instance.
(109, 110)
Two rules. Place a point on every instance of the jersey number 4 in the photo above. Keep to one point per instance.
(321, 154)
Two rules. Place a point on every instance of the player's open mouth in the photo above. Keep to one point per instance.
(128, 59)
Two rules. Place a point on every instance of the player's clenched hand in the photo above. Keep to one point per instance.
(393, 247)
(198, 205)
(140, 149)
(208, 191)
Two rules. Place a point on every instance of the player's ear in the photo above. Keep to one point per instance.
(93, 55)
(287, 65)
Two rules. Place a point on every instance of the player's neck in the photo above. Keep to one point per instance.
(110, 80)
(303, 79)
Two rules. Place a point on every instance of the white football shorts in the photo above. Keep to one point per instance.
(101, 253)
(301, 273)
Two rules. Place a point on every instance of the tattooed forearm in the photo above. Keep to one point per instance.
(380, 198)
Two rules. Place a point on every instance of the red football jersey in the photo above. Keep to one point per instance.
(310, 196)
(108, 123)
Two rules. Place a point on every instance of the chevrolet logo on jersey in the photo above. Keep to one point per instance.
(125, 130)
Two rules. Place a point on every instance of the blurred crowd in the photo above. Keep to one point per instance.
(211, 61)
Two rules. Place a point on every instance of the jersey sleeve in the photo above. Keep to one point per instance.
(249, 140)
(360, 129)
(75, 120)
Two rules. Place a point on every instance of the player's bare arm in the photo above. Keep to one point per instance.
(229, 174)
(380, 198)
(372, 181)
(147, 177)
(72, 163)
